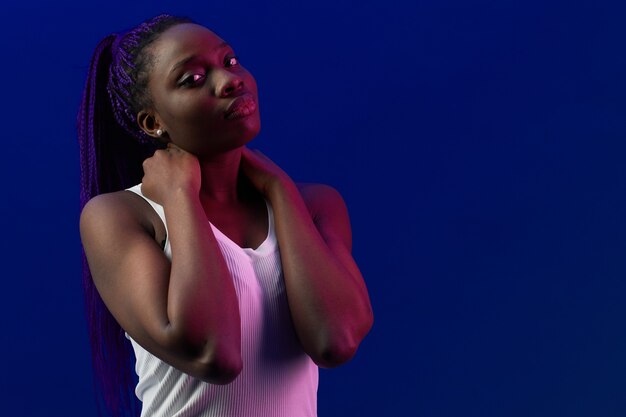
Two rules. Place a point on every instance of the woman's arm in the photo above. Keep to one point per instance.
(185, 312)
(327, 296)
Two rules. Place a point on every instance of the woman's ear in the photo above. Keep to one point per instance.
(150, 124)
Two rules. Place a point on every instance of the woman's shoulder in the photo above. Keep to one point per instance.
(328, 211)
(126, 206)
(320, 198)
(117, 200)
(314, 189)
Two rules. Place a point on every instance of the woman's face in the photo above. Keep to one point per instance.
(194, 79)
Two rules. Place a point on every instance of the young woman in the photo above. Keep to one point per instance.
(230, 282)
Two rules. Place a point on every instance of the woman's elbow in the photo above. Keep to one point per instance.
(221, 369)
(333, 356)
(339, 350)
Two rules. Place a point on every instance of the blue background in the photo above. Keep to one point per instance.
(479, 147)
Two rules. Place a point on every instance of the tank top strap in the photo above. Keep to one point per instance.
(157, 207)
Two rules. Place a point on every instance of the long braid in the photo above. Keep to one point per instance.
(112, 148)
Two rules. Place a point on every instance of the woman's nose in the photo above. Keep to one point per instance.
(230, 86)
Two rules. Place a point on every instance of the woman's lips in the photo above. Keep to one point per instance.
(242, 106)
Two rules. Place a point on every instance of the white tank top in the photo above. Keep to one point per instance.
(278, 378)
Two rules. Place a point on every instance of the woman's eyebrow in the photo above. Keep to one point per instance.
(194, 56)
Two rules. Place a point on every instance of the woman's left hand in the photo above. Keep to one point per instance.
(264, 174)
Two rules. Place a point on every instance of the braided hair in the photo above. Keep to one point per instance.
(112, 148)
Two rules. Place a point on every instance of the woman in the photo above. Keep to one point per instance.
(231, 282)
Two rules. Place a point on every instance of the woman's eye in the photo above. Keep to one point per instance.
(193, 79)
(197, 78)
(233, 60)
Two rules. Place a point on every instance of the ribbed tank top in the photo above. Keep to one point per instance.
(278, 378)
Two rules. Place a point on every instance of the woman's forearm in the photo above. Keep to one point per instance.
(202, 304)
(328, 300)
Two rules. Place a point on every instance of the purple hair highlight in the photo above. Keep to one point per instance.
(112, 148)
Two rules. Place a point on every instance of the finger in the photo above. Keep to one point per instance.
(261, 155)
(252, 152)
(177, 148)
(247, 153)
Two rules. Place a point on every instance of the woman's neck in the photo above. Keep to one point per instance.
(221, 178)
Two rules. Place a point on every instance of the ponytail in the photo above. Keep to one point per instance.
(109, 161)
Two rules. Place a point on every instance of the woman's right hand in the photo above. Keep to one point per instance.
(169, 170)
